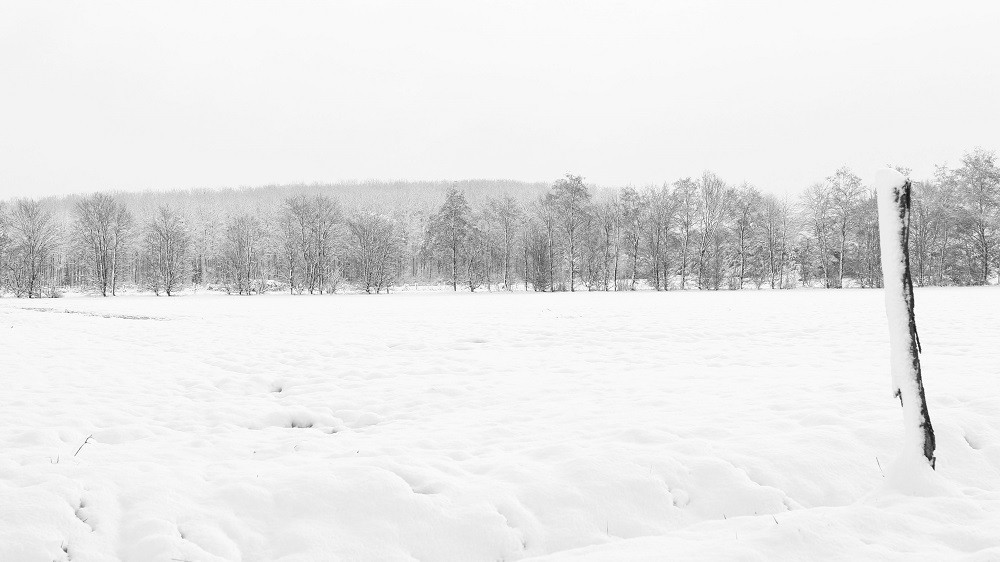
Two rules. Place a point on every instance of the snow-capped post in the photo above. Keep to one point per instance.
(904, 344)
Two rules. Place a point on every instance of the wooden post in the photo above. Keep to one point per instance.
(894, 231)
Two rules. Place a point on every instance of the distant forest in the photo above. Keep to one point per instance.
(693, 233)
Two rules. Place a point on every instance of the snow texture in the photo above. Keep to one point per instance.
(628, 426)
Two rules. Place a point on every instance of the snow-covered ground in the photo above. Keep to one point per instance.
(749, 425)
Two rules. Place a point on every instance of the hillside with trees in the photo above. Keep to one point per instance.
(691, 233)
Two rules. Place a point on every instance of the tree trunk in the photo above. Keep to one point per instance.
(454, 267)
(743, 257)
(526, 266)
(114, 269)
(572, 262)
(907, 381)
(552, 267)
(617, 255)
(770, 259)
(843, 251)
(684, 259)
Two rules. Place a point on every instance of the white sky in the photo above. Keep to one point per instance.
(136, 95)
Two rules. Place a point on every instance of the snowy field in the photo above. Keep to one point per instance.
(694, 425)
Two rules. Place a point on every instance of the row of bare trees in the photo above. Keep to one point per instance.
(101, 245)
(693, 233)
(708, 234)
(699, 233)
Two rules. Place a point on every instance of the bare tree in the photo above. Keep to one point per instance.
(816, 205)
(374, 247)
(311, 228)
(608, 221)
(686, 191)
(297, 241)
(866, 236)
(33, 239)
(634, 214)
(291, 260)
(207, 234)
(477, 259)
(505, 212)
(845, 196)
(448, 230)
(572, 199)
(547, 214)
(242, 254)
(776, 216)
(942, 224)
(4, 246)
(167, 246)
(712, 206)
(526, 226)
(978, 180)
(746, 203)
(662, 215)
(102, 226)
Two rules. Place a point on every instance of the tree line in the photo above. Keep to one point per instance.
(693, 233)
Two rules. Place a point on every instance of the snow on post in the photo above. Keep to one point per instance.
(894, 230)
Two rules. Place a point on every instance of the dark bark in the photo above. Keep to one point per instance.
(903, 210)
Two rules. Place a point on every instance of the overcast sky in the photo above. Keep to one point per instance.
(130, 95)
